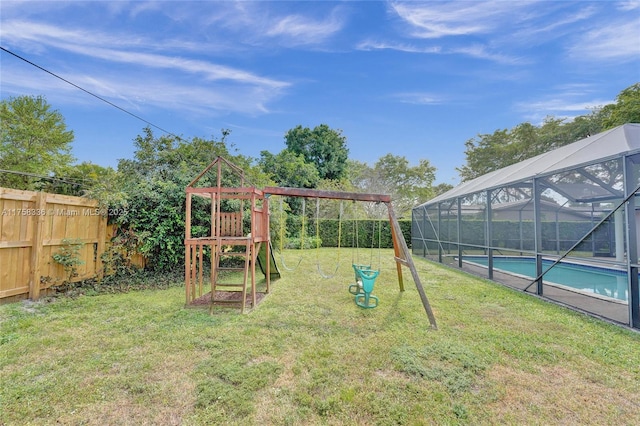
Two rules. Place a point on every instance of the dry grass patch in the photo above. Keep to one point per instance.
(561, 396)
(123, 411)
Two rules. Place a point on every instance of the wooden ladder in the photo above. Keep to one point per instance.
(220, 289)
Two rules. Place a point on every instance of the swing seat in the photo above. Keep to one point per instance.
(365, 280)
(357, 287)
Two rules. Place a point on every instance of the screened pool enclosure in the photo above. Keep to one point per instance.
(563, 225)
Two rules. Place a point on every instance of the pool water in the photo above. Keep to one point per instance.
(592, 279)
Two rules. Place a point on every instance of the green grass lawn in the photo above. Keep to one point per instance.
(308, 355)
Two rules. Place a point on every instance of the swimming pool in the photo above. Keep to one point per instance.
(597, 280)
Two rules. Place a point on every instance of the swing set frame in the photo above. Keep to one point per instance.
(259, 237)
(402, 255)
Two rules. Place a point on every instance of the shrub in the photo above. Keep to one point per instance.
(69, 256)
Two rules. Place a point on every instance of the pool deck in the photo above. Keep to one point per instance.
(610, 309)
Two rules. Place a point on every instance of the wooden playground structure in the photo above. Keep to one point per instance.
(241, 231)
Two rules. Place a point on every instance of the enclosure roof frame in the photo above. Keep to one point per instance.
(609, 145)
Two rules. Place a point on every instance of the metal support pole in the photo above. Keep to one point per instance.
(459, 232)
(489, 237)
(439, 233)
(632, 244)
(537, 226)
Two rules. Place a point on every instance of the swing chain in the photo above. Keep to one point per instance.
(282, 236)
(318, 241)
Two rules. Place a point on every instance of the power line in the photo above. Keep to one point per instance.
(90, 93)
(52, 178)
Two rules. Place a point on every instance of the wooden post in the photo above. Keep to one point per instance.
(214, 224)
(252, 241)
(200, 260)
(396, 252)
(194, 270)
(187, 248)
(102, 244)
(267, 234)
(36, 248)
(187, 275)
(254, 247)
(408, 261)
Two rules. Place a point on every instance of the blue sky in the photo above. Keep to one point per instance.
(415, 79)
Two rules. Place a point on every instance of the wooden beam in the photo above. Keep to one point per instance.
(102, 245)
(402, 262)
(187, 251)
(404, 251)
(36, 248)
(267, 231)
(246, 190)
(218, 162)
(334, 195)
(17, 195)
(15, 244)
(396, 251)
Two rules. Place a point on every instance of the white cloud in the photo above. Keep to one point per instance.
(301, 30)
(188, 84)
(498, 28)
(402, 47)
(418, 98)
(618, 41)
(481, 52)
(477, 51)
(565, 103)
(133, 91)
(629, 5)
(436, 19)
(31, 33)
(555, 105)
(127, 50)
(261, 23)
(482, 24)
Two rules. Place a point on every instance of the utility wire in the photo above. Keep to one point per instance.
(90, 93)
(52, 178)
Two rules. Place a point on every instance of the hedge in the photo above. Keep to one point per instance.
(371, 233)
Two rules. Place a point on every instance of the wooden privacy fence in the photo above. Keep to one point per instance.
(34, 227)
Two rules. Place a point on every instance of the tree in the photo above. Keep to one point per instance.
(155, 180)
(586, 125)
(289, 169)
(625, 110)
(441, 189)
(488, 152)
(33, 140)
(408, 185)
(89, 180)
(391, 174)
(324, 147)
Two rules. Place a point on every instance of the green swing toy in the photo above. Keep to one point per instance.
(365, 277)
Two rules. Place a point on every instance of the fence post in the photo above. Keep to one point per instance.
(102, 243)
(36, 247)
